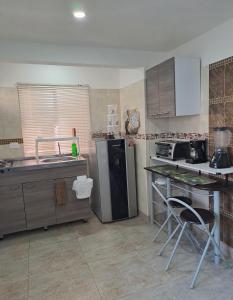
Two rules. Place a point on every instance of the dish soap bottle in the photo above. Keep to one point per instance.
(74, 148)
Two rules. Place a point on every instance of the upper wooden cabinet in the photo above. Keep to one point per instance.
(173, 88)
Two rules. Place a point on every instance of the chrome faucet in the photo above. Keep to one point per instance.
(59, 148)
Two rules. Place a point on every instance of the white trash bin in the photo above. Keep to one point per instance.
(83, 187)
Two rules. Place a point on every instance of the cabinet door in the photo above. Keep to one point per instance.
(39, 199)
(167, 88)
(152, 92)
(12, 214)
(73, 208)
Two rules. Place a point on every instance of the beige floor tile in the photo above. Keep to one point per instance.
(105, 244)
(13, 270)
(141, 236)
(95, 261)
(92, 226)
(214, 289)
(14, 246)
(55, 257)
(119, 276)
(103, 239)
(73, 283)
(54, 234)
(219, 287)
(14, 289)
(119, 248)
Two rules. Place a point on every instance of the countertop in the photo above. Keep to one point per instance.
(202, 167)
(27, 164)
(192, 179)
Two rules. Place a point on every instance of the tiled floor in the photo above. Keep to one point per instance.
(93, 261)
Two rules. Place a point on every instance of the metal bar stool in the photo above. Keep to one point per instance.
(196, 216)
(173, 214)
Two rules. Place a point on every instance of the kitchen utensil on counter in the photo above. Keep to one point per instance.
(74, 148)
(172, 149)
(198, 152)
(221, 156)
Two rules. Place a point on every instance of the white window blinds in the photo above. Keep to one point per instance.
(48, 111)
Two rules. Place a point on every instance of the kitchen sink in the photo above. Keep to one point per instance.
(58, 159)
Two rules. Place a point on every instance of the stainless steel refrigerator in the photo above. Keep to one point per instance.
(112, 166)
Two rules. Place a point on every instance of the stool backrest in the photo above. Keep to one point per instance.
(160, 193)
(172, 211)
(170, 200)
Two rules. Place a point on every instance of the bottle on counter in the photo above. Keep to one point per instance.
(74, 147)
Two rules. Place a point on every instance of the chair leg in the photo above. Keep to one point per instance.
(210, 234)
(161, 228)
(176, 245)
(200, 263)
(169, 239)
(193, 241)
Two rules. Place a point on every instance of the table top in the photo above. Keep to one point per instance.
(202, 167)
(191, 178)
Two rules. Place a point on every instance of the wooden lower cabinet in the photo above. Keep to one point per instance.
(39, 199)
(42, 208)
(73, 208)
(29, 200)
(12, 213)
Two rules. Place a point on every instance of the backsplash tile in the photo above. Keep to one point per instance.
(8, 141)
(216, 85)
(163, 135)
(220, 114)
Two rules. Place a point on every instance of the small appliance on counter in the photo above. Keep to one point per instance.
(173, 149)
(198, 152)
(221, 157)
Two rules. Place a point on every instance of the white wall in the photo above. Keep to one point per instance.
(212, 46)
(130, 76)
(96, 77)
(23, 52)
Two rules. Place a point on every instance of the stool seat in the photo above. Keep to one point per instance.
(182, 198)
(188, 216)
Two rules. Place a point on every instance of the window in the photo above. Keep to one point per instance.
(48, 111)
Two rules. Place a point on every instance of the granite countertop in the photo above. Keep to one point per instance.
(26, 164)
(193, 179)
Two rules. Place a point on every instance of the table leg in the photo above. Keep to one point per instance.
(217, 222)
(150, 197)
(169, 195)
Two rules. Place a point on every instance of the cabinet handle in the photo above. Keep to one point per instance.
(158, 114)
(164, 113)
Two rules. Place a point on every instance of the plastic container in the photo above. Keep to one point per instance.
(83, 187)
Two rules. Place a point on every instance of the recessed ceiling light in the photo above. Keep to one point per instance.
(79, 14)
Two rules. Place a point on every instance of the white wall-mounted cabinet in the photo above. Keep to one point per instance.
(173, 88)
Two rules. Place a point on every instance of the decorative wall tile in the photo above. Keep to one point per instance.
(216, 85)
(8, 141)
(155, 136)
(229, 79)
(221, 114)
(227, 229)
(229, 114)
(217, 115)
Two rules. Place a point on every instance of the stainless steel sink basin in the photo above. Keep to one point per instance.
(57, 159)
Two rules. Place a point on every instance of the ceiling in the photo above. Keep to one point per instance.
(155, 25)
